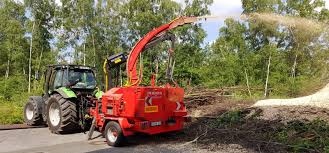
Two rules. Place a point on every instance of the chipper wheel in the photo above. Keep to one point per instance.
(62, 115)
(113, 134)
(32, 111)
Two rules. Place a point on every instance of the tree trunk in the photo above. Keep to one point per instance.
(92, 35)
(37, 72)
(8, 68)
(40, 59)
(293, 70)
(245, 72)
(84, 54)
(30, 59)
(267, 76)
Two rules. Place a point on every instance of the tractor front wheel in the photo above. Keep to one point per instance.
(113, 134)
(32, 114)
(62, 115)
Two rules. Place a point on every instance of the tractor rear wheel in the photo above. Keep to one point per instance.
(32, 115)
(62, 115)
(113, 134)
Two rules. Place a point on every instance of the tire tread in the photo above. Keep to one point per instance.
(37, 117)
(69, 118)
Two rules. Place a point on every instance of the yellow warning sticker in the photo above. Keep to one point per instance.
(151, 109)
(117, 61)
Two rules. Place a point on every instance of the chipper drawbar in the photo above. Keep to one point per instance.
(126, 110)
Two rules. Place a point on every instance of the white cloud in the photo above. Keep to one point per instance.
(220, 7)
(327, 3)
(58, 2)
(225, 6)
(18, 1)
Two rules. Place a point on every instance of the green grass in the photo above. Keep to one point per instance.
(303, 137)
(11, 113)
(12, 110)
(230, 118)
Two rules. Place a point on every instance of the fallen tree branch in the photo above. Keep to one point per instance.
(194, 140)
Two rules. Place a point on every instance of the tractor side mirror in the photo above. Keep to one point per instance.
(37, 75)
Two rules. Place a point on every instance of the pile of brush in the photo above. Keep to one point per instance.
(200, 96)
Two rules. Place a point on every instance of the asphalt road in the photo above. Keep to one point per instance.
(40, 140)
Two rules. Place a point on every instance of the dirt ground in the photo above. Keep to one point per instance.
(215, 129)
(287, 114)
(206, 107)
(211, 103)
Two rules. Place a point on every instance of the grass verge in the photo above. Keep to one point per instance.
(12, 110)
(11, 113)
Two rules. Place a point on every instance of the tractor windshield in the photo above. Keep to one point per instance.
(82, 79)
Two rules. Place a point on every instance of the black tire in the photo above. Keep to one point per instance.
(32, 115)
(114, 127)
(68, 121)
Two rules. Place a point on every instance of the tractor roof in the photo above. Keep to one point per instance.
(82, 67)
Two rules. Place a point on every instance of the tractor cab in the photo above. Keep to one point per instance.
(74, 77)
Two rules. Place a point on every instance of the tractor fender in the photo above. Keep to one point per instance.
(98, 94)
(66, 92)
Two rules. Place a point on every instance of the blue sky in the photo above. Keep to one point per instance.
(224, 9)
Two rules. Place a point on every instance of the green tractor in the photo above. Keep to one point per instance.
(64, 105)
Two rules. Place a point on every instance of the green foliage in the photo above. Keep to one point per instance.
(11, 106)
(12, 86)
(229, 119)
(12, 42)
(13, 96)
(303, 137)
(12, 111)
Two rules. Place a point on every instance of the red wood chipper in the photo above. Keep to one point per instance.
(133, 108)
